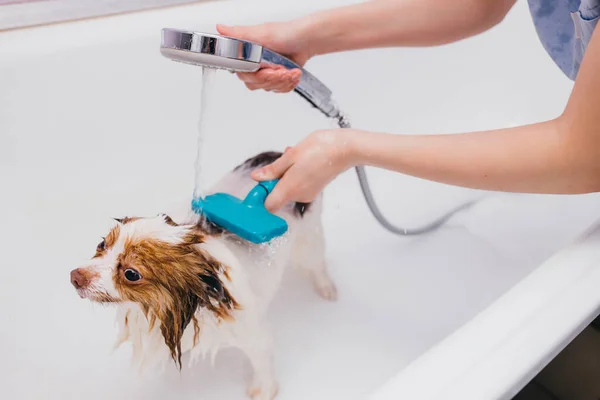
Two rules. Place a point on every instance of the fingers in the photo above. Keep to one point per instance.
(284, 87)
(240, 32)
(280, 196)
(274, 170)
(286, 191)
(277, 79)
(270, 77)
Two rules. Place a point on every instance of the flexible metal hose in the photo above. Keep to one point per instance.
(368, 195)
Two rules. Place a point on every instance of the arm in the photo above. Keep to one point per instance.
(557, 156)
(389, 23)
(561, 156)
(537, 158)
(374, 23)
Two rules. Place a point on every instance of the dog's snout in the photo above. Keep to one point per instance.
(79, 278)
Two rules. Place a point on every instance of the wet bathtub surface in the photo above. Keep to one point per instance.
(99, 131)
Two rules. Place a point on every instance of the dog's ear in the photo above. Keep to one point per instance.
(214, 287)
(168, 220)
(125, 220)
(189, 280)
(175, 318)
(207, 291)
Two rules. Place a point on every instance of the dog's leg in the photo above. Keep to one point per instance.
(258, 348)
(123, 315)
(309, 253)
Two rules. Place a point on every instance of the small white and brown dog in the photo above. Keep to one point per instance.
(187, 286)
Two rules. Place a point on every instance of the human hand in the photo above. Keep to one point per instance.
(282, 38)
(304, 170)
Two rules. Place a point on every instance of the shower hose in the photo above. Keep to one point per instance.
(368, 195)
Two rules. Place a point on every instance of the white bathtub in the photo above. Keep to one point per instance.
(94, 123)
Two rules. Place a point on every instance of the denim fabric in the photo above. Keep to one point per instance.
(565, 28)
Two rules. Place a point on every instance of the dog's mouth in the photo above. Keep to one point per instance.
(96, 295)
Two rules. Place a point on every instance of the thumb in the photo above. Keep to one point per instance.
(239, 32)
(274, 170)
(279, 197)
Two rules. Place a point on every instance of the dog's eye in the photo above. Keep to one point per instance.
(132, 275)
(101, 245)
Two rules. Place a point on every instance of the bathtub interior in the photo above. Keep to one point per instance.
(102, 126)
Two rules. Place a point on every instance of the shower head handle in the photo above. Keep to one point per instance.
(309, 87)
(222, 52)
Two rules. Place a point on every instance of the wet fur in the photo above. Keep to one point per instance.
(201, 288)
(183, 280)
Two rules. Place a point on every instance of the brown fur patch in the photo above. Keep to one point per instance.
(108, 242)
(196, 331)
(126, 220)
(112, 237)
(176, 281)
(169, 221)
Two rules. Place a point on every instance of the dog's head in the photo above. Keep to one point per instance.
(161, 266)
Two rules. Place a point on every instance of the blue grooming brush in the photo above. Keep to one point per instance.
(248, 218)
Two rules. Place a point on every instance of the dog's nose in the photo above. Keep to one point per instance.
(79, 278)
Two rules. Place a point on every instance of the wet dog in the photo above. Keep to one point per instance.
(188, 286)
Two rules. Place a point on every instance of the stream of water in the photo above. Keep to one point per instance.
(200, 179)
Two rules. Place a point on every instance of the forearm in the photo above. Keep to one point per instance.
(557, 156)
(538, 158)
(388, 23)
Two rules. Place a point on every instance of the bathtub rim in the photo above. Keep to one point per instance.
(483, 360)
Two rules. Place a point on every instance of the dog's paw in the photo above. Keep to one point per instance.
(327, 291)
(263, 391)
(325, 286)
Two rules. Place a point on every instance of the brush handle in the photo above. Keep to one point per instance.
(258, 194)
(269, 185)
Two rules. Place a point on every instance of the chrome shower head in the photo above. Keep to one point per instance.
(213, 51)
(221, 52)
